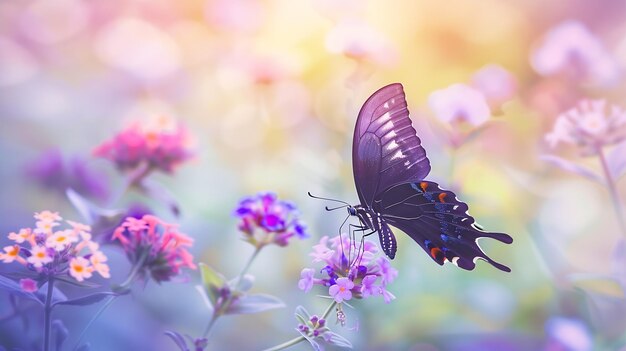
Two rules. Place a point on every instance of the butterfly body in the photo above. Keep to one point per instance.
(389, 167)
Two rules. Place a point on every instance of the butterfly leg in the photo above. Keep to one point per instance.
(361, 249)
(352, 232)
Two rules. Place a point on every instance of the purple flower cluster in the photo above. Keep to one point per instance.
(265, 219)
(360, 276)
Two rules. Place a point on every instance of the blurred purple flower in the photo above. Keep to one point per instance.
(160, 146)
(264, 219)
(566, 334)
(54, 172)
(570, 49)
(496, 83)
(361, 276)
(459, 103)
(590, 125)
(157, 247)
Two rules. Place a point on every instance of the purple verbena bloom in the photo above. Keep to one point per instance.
(571, 50)
(590, 126)
(341, 291)
(350, 271)
(265, 219)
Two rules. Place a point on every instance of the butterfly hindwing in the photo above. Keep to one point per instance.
(386, 150)
(437, 221)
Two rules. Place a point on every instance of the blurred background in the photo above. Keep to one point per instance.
(270, 91)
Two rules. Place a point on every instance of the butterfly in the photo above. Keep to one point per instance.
(390, 166)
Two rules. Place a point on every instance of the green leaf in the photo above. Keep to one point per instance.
(254, 303)
(212, 282)
(598, 285)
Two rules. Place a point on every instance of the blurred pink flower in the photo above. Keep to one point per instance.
(570, 49)
(235, 15)
(590, 125)
(28, 285)
(157, 247)
(459, 103)
(155, 147)
(496, 83)
(361, 42)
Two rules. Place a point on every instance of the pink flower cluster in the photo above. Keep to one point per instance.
(360, 276)
(157, 247)
(590, 125)
(56, 252)
(155, 147)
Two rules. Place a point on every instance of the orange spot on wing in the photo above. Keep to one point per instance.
(442, 196)
(424, 186)
(437, 254)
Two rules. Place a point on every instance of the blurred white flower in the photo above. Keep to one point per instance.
(590, 125)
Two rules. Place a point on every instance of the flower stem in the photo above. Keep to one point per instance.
(122, 287)
(48, 314)
(612, 187)
(219, 310)
(287, 344)
(300, 338)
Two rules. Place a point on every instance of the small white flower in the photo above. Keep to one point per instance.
(39, 256)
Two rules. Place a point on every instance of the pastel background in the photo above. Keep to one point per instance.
(269, 92)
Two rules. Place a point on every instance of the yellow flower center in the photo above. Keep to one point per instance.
(14, 251)
(342, 289)
(60, 239)
(41, 254)
(78, 268)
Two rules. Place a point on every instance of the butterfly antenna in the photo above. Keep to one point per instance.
(327, 199)
(335, 208)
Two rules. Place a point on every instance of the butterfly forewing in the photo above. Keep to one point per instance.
(386, 150)
(437, 221)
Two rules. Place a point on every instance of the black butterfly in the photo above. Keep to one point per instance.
(389, 167)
